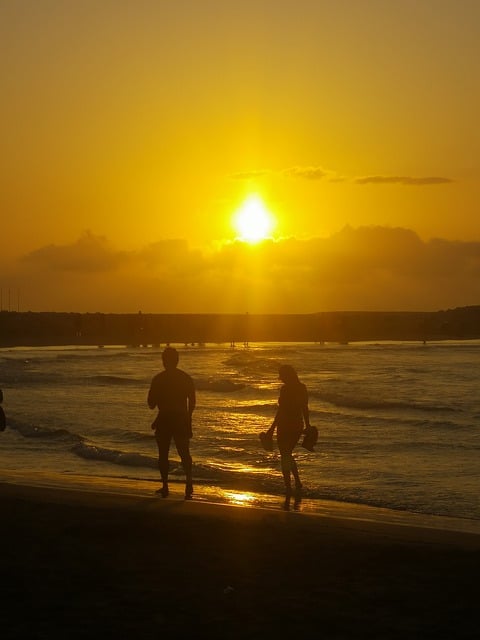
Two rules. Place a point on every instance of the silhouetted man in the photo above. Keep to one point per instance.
(172, 391)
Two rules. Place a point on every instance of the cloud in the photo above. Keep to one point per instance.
(319, 173)
(89, 254)
(173, 257)
(249, 175)
(366, 268)
(356, 269)
(405, 180)
(309, 173)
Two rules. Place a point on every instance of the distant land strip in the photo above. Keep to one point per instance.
(145, 329)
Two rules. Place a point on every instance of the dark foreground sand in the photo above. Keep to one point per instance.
(84, 565)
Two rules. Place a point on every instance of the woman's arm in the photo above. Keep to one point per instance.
(306, 411)
(271, 431)
(306, 416)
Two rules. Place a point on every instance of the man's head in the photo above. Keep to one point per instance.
(170, 358)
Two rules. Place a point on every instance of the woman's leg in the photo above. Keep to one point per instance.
(298, 483)
(286, 443)
(286, 464)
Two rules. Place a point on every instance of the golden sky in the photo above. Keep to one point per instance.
(132, 131)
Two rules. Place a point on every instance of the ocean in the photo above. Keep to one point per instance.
(398, 423)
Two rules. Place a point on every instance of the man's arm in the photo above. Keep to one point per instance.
(151, 398)
(192, 399)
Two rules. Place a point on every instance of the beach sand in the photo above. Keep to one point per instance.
(81, 564)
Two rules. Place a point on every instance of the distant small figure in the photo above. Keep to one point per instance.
(290, 420)
(173, 392)
(3, 419)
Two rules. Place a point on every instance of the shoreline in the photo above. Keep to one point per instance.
(88, 487)
(83, 562)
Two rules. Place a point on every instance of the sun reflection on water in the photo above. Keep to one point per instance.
(239, 497)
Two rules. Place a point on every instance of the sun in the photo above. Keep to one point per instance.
(253, 221)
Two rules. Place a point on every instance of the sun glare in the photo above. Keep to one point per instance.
(253, 221)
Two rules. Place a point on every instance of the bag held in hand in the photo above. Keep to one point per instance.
(310, 438)
(267, 441)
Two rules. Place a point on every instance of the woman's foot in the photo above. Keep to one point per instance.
(188, 491)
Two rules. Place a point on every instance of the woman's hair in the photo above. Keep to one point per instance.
(287, 373)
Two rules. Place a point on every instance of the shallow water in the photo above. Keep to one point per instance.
(399, 422)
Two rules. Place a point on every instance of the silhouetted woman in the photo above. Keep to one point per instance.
(290, 420)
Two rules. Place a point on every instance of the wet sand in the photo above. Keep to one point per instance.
(78, 563)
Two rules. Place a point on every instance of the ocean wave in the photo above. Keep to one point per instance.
(259, 407)
(114, 456)
(240, 359)
(97, 356)
(54, 357)
(264, 477)
(224, 385)
(352, 402)
(137, 438)
(205, 472)
(34, 431)
(18, 363)
(112, 380)
(225, 472)
(248, 362)
(19, 378)
(397, 420)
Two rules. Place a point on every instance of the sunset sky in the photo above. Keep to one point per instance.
(134, 131)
